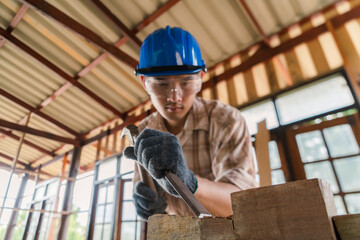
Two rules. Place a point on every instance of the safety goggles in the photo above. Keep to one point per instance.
(163, 87)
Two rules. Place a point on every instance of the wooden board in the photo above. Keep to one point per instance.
(348, 226)
(295, 210)
(161, 226)
(262, 153)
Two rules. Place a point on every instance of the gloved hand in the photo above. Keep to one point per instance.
(147, 202)
(159, 153)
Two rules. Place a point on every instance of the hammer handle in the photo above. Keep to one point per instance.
(146, 178)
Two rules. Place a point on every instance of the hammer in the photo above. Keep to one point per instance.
(132, 131)
(194, 204)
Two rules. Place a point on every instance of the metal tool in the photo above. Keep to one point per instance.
(200, 211)
(132, 132)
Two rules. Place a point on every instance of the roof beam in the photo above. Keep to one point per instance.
(40, 149)
(81, 30)
(14, 22)
(7, 157)
(121, 26)
(21, 128)
(164, 8)
(38, 112)
(264, 54)
(19, 15)
(57, 70)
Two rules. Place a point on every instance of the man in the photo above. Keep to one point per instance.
(205, 143)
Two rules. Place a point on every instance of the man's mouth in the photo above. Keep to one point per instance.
(174, 107)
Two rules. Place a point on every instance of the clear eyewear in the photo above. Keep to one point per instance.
(162, 88)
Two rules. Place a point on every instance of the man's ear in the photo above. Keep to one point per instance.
(143, 81)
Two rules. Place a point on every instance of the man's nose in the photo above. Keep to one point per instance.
(174, 95)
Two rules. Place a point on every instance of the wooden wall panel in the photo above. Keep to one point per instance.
(272, 76)
(292, 62)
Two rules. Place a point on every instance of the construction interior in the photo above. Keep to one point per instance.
(67, 89)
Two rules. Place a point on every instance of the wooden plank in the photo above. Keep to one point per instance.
(295, 210)
(350, 57)
(161, 226)
(348, 226)
(271, 74)
(262, 153)
(318, 56)
(292, 62)
(249, 82)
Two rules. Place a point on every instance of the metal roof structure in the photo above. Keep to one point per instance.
(70, 63)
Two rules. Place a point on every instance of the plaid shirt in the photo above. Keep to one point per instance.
(216, 146)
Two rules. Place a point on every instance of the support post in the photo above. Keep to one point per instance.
(67, 202)
(14, 215)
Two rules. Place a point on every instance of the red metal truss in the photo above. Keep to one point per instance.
(267, 53)
(57, 70)
(21, 128)
(40, 149)
(38, 112)
(121, 26)
(3, 155)
(81, 30)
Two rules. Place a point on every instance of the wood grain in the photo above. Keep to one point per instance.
(295, 210)
(348, 226)
(162, 226)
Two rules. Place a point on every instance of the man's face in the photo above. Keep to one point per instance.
(174, 95)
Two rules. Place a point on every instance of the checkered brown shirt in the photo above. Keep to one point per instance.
(216, 145)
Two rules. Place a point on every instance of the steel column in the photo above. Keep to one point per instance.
(67, 203)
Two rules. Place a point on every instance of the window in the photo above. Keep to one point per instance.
(259, 112)
(277, 173)
(333, 154)
(320, 97)
(113, 211)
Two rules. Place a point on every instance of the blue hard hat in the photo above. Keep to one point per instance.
(170, 51)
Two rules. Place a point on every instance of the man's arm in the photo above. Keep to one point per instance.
(215, 196)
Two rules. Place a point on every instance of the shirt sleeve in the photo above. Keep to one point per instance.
(232, 153)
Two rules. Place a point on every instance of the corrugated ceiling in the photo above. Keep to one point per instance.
(221, 27)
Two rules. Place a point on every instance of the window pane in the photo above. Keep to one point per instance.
(323, 171)
(39, 194)
(341, 140)
(107, 169)
(101, 194)
(126, 165)
(52, 188)
(109, 213)
(97, 232)
(311, 146)
(317, 98)
(128, 189)
(107, 232)
(353, 202)
(348, 171)
(110, 194)
(339, 203)
(82, 193)
(128, 230)
(259, 112)
(277, 177)
(129, 212)
(99, 218)
(138, 230)
(77, 226)
(274, 155)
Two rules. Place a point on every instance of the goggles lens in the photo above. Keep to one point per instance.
(162, 88)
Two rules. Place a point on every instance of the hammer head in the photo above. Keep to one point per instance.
(131, 131)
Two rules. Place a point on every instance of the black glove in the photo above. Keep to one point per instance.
(147, 202)
(160, 153)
